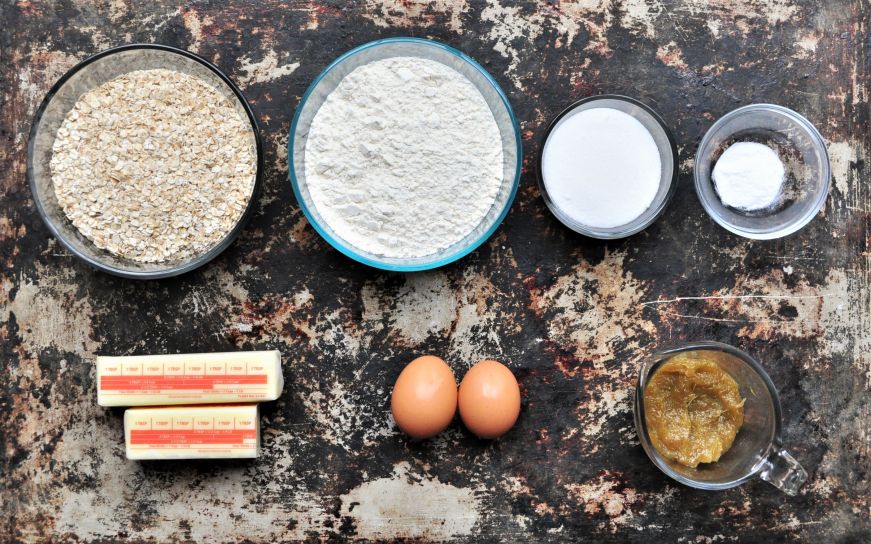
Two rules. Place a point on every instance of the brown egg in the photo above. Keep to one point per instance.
(489, 399)
(424, 398)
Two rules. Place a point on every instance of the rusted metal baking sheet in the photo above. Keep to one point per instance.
(572, 316)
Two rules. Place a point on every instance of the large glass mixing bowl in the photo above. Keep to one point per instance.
(85, 76)
(329, 79)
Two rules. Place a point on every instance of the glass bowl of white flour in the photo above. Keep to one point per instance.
(762, 171)
(404, 154)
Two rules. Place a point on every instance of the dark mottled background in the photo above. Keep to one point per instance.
(573, 317)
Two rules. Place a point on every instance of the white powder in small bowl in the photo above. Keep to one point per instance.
(601, 167)
(748, 176)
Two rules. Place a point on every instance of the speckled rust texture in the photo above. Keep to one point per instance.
(571, 316)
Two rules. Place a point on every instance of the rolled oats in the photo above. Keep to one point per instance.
(154, 165)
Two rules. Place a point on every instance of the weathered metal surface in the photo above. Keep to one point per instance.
(570, 315)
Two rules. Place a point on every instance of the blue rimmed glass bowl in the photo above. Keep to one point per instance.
(329, 79)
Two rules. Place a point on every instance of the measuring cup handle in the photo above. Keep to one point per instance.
(783, 472)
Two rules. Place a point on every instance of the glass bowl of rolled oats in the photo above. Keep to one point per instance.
(145, 161)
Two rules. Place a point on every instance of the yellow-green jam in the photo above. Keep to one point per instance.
(693, 409)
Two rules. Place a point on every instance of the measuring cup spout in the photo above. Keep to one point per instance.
(782, 471)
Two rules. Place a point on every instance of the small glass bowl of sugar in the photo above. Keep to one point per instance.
(607, 167)
(739, 182)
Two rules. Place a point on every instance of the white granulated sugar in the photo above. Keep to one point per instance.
(404, 158)
(748, 176)
(601, 167)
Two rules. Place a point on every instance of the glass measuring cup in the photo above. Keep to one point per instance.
(757, 450)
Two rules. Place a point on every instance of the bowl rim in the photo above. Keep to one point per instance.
(351, 252)
(672, 183)
(191, 264)
(661, 356)
(826, 168)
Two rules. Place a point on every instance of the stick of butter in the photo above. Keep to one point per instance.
(193, 432)
(199, 378)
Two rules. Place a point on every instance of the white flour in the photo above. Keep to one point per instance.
(404, 157)
(748, 176)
